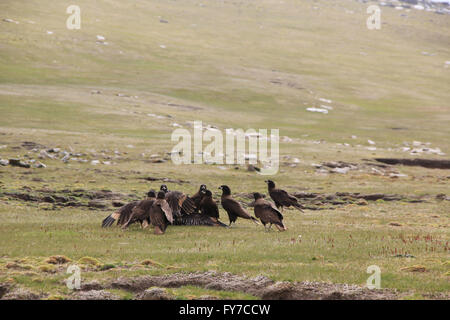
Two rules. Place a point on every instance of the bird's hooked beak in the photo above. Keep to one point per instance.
(220, 188)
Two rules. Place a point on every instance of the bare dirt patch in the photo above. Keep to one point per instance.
(259, 286)
(426, 163)
(96, 199)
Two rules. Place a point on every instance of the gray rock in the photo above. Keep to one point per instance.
(39, 165)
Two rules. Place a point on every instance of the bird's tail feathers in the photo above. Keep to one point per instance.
(109, 220)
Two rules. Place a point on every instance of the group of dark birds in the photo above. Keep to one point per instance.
(176, 208)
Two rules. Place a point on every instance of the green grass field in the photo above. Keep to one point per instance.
(248, 64)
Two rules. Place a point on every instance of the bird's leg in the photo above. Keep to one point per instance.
(270, 227)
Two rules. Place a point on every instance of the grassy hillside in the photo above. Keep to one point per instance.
(231, 64)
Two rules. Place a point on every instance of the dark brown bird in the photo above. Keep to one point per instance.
(123, 214)
(209, 215)
(160, 213)
(265, 211)
(179, 202)
(141, 213)
(208, 206)
(198, 196)
(282, 198)
(232, 207)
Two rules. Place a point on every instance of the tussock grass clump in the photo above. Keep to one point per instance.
(18, 266)
(49, 268)
(57, 260)
(89, 261)
(416, 268)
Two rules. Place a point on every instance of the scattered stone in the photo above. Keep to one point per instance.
(39, 165)
(341, 170)
(10, 21)
(325, 100)
(320, 110)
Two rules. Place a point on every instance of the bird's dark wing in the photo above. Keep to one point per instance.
(157, 215)
(209, 208)
(125, 212)
(232, 206)
(282, 197)
(180, 203)
(273, 212)
(140, 212)
(197, 198)
(197, 219)
(268, 214)
(122, 215)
